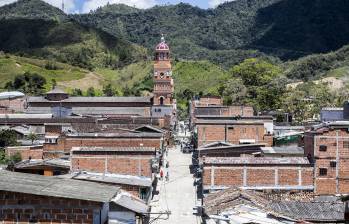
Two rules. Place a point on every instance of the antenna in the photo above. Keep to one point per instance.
(63, 5)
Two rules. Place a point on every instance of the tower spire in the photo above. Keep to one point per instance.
(162, 38)
(63, 5)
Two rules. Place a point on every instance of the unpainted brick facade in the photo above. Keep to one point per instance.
(27, 208)
(257, 176)
(131, 163)
(26, 152)
(209, 133)
(328, 149)
(65, 144)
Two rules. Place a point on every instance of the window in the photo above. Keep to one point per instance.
(346, 144)
(333, 164)
(323, 148)
(322, 172)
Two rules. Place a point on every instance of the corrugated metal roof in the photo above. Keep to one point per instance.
(257, 160)
(26, 116)
(113, 178)
(40, 162)
(113, 149)
(130, 202)
(142, 111)
(232, 122)
(56, 187)
(310, 211)
(116, 135)
(11, 95)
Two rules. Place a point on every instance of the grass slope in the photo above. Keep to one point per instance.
(10, 66)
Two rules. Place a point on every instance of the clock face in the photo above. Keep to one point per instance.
(162, 75)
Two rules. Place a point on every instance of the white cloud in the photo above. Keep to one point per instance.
(94, 4)
(5, 2)
(214, 3)
(69, 4)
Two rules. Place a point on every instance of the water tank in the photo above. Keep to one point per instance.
(346, 110)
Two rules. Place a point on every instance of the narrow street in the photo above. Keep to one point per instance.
(178, 195)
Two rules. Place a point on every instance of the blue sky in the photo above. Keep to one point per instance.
(82, 6)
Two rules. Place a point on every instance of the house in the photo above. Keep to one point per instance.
(28, 198)
(11, 102)
(262, 173)
(254, 130)
(60, 144)
(327, 147)
(46, 167)
(138, 186)
(26, 152)
(135, 161)
(245, 206)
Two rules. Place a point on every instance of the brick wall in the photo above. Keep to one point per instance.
(65, 144)
(323, 148)
(25, 152)
(257, 176)
(132, 164)
(26, 208)
(232, 133)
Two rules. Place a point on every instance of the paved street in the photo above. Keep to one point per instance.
(179, 194)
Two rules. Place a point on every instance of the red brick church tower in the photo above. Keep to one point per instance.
(163, 81)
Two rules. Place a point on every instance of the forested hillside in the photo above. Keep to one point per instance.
(285, 28)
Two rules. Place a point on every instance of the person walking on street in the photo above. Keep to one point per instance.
(168, 176)
(161, 174)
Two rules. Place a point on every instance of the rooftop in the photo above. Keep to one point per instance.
(112, 178)
(40, 162)
(235, 203)
(257, 160)
(232, 122)
(283, 150)
(56, 187)
(116, 135)
(79, 99)
(113, 149)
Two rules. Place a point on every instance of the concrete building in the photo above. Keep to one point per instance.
(259, 173)
(28, 198)
(12, 102)
(327, 147)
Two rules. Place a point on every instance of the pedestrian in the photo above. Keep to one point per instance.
(168, 175)
(167, 164)
(161, 174)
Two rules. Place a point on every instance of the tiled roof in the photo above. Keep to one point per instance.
(116, 135)
(257, 160)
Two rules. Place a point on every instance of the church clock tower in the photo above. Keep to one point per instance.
(163, 81)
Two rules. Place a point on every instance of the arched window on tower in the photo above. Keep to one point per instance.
(161, 100)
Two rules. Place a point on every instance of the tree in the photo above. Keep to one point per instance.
(33, 137)
(8, 138)
(54, 83)
(235, 91)
(91, 92)
(30, 83)
(108, 90)
(255, 72)
(76, 92)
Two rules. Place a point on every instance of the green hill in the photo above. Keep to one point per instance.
(32, 9)
(288, 29)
